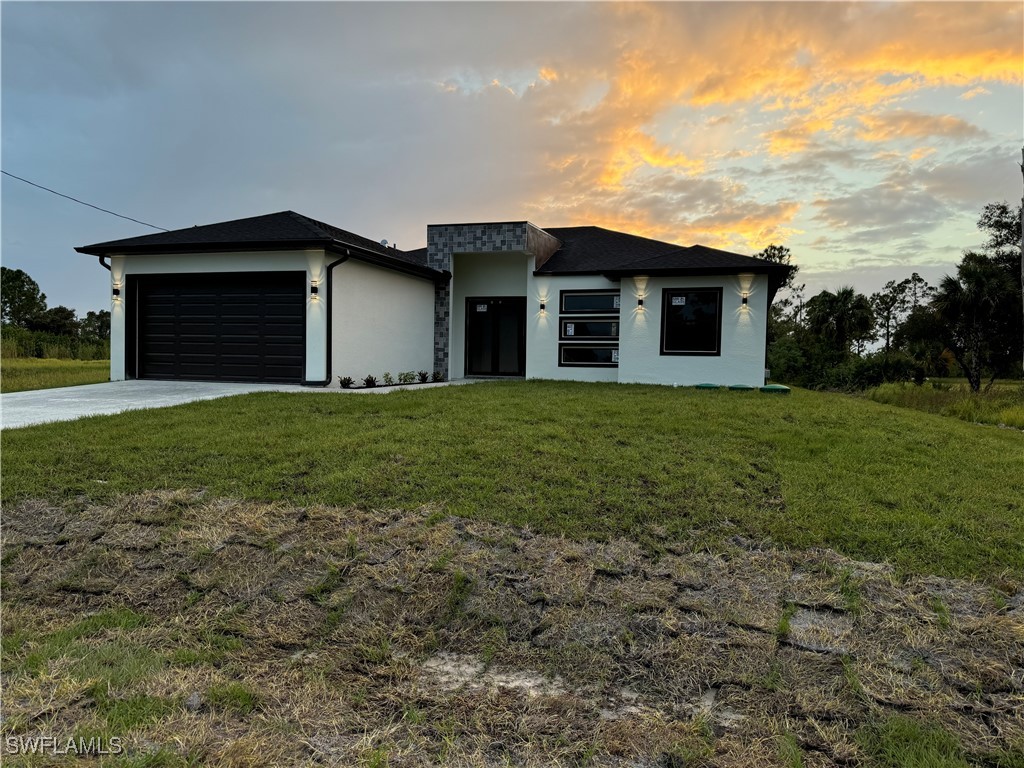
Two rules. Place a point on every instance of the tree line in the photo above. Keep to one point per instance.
(969, 325)
(30, 328)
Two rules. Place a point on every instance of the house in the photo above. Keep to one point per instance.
(286, 298)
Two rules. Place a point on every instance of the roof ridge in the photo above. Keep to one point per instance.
(320, 228)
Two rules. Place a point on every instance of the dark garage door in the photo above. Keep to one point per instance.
(221, 327)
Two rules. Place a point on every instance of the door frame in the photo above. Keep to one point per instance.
(521, 362)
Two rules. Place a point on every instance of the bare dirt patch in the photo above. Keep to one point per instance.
(232, 633)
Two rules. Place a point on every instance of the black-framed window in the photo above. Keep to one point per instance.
(595, 302)
(588, 328)
(588, 355)
(691, 321)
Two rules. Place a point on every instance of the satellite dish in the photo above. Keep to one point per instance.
(384, 243)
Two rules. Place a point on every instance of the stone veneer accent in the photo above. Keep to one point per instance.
(445, 240)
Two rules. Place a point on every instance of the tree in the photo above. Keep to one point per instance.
(890, 306)
(841, 319)
(20, 298)
(95, 326)
(60, 321)
(785, 311)
(975, 310)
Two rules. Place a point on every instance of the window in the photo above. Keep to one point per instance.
(691, 321)
(583, 332)
(587, 328)
(596, 302)
(588, 355)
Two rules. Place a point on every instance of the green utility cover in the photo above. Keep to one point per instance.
(777, 389)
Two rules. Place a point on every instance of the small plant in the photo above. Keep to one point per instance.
(462, 585)
(423, 376)
(406, 377)
(346, 382)
(436, 376)
(370, 381)
(782, 631)
(233, 697)
(388, 379)
(941, 611)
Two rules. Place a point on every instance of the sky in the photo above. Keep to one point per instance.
(865, 137)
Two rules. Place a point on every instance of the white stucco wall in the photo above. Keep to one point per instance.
(310, 261)
(542, 329)
(743, 333)
(479, 275)
(382, 321)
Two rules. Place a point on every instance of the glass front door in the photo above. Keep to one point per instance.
(496, 336)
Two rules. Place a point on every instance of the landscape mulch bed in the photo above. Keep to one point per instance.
(272, 635)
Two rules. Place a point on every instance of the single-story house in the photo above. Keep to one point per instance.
(286, 298)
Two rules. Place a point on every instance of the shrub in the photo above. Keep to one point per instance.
(370, 381)
(424, 376)
(388, 379)
(406, 377)
(19, 342)
(346, 382)
(436, 376)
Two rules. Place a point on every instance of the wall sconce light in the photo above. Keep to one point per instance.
(116, 292)
(543, 306)
(744, 299)
(314, 289)
(640, 303)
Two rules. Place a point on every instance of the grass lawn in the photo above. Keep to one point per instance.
(928, 493)
(1002, 403)
(22, 373)
(278, 579)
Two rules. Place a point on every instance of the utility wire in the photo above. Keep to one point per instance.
(69, 197)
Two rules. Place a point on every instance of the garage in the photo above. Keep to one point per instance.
(217, 326)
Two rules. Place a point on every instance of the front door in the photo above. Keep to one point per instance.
(496, 336)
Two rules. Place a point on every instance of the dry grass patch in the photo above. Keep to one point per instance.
(216, 632)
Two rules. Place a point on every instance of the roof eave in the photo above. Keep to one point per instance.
(113, 249)
(335, 246)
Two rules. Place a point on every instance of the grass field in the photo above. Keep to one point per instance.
(207, 632)
(1002, 404)
(23, 373)
(517, 573)
(928, 493)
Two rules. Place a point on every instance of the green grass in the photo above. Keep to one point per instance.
(931, 494)
(900, 742)
(1002, 404)
(18, 374)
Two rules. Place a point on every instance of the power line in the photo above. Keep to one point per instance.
(82, 202)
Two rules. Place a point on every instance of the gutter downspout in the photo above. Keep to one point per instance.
(330, 321)
(103, 263)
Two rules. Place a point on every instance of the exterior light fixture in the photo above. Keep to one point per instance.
(640, 303)
(744, 299)
(115, 292)
(314, 289)
(543, 306)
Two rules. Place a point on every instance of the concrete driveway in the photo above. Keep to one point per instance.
(39, 406)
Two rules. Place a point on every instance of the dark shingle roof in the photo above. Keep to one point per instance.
(282, 229)
(594, 250)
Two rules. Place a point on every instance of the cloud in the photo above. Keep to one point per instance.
(905, 124)
(978, 90)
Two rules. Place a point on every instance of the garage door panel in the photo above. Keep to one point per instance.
(231, 327)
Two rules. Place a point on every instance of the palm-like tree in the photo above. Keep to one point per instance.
(841, 318)
(972, 308)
